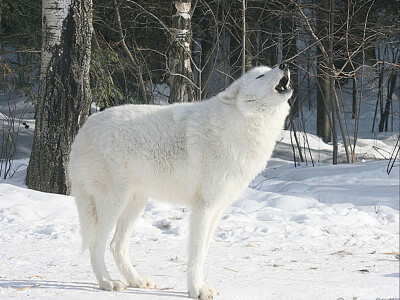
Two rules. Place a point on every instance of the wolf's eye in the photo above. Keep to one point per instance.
(262, 75)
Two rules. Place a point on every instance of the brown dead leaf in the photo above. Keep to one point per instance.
(28, 287)
(396, 254)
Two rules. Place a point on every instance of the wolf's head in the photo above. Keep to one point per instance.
(259, 89)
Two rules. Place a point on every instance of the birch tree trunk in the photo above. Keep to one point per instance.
(180, 79)
(64, 91)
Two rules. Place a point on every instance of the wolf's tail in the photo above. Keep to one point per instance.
(88, 219)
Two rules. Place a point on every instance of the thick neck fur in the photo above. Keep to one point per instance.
(249, 139)
(257, 131)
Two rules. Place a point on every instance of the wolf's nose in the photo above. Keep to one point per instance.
(283, 67)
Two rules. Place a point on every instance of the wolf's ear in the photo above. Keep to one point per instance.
(229, 94)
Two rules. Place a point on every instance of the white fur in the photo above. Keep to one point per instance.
(202, 155)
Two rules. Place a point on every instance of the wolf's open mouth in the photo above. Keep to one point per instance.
(283, 84)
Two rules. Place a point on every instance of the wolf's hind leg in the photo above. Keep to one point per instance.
(120, 243)
(107, 217)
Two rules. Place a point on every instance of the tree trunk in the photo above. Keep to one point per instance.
(54, 13)
(180, 81)
(323, 82)
(355, 96)
(332, 91)
(323, 96)
(379, 100)
(64, 91)
(383, 124)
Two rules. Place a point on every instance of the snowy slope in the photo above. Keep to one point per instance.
(323, 232)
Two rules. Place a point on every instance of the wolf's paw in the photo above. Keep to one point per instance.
(143, 283)
(203, 292)
(114, 285)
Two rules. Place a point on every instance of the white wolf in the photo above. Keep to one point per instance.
(202, 155)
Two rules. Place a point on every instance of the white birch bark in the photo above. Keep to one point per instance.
(181, 75)
(54, 13)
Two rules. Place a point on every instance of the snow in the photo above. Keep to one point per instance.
(322, 232)
(314, 231)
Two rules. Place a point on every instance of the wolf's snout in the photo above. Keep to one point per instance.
(283, 67)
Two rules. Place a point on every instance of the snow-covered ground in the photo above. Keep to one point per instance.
(323, 232)
(305, 232)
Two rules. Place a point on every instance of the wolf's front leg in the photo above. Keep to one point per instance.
(200, 222)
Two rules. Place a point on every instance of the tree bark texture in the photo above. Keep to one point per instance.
(323, 97)
(64, 97)
(383, 124)
(323, 89)
(53, 14)
(180, 79)
(332, 91)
